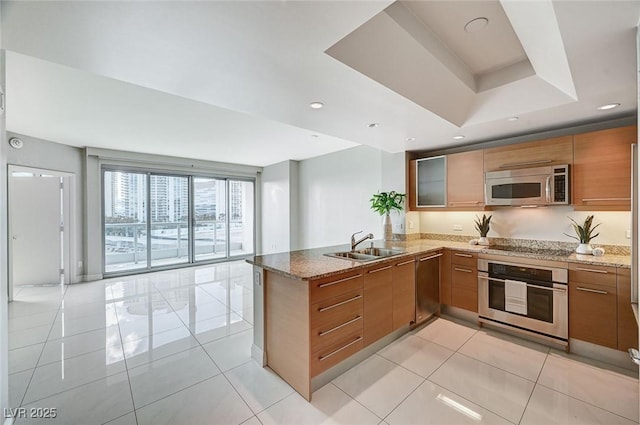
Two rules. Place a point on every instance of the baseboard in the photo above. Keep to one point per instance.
(92, 277)
(602, 354)
(258, 355)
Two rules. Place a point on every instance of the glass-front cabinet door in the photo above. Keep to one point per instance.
(431, 185)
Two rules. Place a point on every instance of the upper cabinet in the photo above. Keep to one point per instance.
(427, 183)
(556, 151)
(465, 180)
(602, 169)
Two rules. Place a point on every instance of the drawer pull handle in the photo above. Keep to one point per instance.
(431, 257)
(324, 285)
(462, 270)
(595, 291)
(604, 199)
(465, 203)
(406, 262)
(321, 358)
(518, 164)
(348, 322)
(323, 309)
(379, 270)
(457, 254)
(591, 270)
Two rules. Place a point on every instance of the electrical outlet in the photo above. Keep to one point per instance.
(457, 227)
(627, 234)
(410, 224)
(398, 227)
(256, 278)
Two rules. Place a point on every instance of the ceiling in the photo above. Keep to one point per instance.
(232, 81)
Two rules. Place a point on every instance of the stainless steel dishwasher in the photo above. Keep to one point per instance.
(427, 286)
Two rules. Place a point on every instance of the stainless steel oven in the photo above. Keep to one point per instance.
(544, 311)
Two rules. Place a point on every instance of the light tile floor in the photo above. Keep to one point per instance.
(174, 347)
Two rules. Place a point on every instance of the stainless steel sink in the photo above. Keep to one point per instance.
(380, 252)
(366, 254)
(353, 256)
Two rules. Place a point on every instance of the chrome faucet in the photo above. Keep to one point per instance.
(355, 243)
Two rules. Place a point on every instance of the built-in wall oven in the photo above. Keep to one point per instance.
(529, 296)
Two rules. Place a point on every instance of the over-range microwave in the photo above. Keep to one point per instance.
(547, 185)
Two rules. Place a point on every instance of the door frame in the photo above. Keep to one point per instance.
(68, 250)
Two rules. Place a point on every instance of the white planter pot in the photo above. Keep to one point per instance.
(584, 248)
(388, 228)
(483, 241)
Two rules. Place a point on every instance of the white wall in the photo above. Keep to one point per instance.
(4, 344)
(276, 208)
(334, 192)
(547, 223)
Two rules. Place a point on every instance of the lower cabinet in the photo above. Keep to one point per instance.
(593, 315)
(404, 293)
(464, 280)
(627, 325)
(378, 302)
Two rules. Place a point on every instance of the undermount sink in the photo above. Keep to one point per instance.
(366, 254)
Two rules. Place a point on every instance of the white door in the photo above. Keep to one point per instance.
(35, 214)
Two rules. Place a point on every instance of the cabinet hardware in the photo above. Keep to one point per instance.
(635, 356)
(457, 254)
(595, 291)
(355, 319)
(431, 257)
(462, 270)
(323, 309)
(591, 270)
(518, 164)
(528, 284)
(379, 270)
(604, 199)
(324, 285)
(465, 203)
(406, 262)
(321, 358)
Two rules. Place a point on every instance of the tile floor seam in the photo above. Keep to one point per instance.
(121, 416)
(471, 401)
(256, 413)
(585, 402)
(348, 395)
(404, 399)
(126, 368)
(497, 367)
(76, 356)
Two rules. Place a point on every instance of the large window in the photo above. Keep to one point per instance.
(154, 220)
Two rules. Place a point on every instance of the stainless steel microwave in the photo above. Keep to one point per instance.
(547, 185)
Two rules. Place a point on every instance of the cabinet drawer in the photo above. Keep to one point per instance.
(336, 352)
(596, 275)
(464, 277)
(464, 259)
(333, 286)
(334, 318)
(593, 313)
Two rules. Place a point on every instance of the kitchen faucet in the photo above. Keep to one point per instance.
(355, 243)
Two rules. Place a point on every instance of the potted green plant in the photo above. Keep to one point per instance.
(385, 202)
(584, 234)
(483, 225)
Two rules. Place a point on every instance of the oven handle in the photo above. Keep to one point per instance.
(528, 284)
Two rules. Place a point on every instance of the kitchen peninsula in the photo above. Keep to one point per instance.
(317, 315)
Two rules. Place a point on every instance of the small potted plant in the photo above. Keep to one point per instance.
(385, 202)
(584, 234)
(483, 225)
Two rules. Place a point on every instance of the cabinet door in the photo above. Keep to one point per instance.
(593, 313)
(445, 277)
(627, 325)
(431, 185)
(556, 151)
(378, 303)
(464, 287)
(602, 169)
(465, 180)
(404, 293)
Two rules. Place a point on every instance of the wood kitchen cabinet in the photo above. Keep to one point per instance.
(601, 173)
(378, 302)
(593, 303)
(555, 151)
(464, 280)
(627, 325)
(465, 180)
(404, 292)
(445, 277)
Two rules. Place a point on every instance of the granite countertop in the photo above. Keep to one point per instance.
(313, 264)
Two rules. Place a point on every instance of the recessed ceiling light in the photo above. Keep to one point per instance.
(316, 105)
(476, 24)
(608, 106)
(460, 137)
(410, 139)
(373, 125)
(315, 136)
(513, 118)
